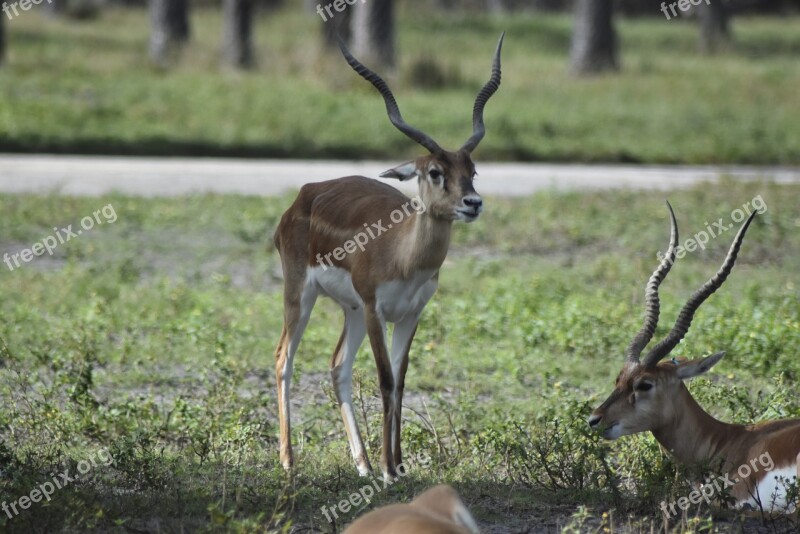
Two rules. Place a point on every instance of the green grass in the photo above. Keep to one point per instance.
(87, 87)
(152, 338)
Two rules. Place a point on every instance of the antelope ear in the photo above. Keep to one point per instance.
(406, 171)
(695, 368)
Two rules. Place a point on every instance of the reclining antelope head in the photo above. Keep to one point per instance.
(649, 395)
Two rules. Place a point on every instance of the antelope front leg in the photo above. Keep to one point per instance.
(376, 329)
(342, 375)
(401, 344)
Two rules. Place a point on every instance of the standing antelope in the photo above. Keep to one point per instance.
(652, 396)
(437, 511)
(388, 279)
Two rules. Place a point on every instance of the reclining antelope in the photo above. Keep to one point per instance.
(437, 511)
(652, 396)
(388, 276)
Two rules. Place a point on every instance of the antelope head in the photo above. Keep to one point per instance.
(648, 392)
(445, 177)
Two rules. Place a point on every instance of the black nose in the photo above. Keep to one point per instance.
(474, 202)
(594, 420)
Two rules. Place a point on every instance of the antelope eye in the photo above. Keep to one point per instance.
(435, 174)
(644, 386)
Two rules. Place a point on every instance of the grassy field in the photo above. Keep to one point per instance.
(87, 87)
(149, 341)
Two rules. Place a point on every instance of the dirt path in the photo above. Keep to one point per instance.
(93, 176)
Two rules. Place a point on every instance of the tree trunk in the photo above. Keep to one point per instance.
(373, 32)
(341, 25)
(334, 23)
(169, 21)
(74, 9)
(714, 30)
(238, 32)
(496, 7)
(594, 41)
(2, 39)
(54, 8)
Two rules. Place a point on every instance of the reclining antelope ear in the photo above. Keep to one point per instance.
(437, 511)
(377, 253)
(650, 395)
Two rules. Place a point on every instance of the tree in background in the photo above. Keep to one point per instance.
(75, 9)
(496, 6)
(169, 28)
(341, 25)
(2, 41)
(237, 32)
(594, 40)
(714, 29)
(372, 35)
(54, 8)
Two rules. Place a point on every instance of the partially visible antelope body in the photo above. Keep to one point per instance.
(388, 276)
(650, 395)
(437, 511)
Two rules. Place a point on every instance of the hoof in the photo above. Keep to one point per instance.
(364, 470)
(287, 463)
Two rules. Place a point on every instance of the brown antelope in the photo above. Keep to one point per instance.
(652, 396)
(437, 511)
(355, 240)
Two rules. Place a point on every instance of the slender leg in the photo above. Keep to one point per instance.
(342, 375)
(401, 343)
(297, 310)
(376, 329)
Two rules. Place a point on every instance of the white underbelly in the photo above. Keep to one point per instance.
(395, 299)
(399, 298)
(336, 283)
(771, 492)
